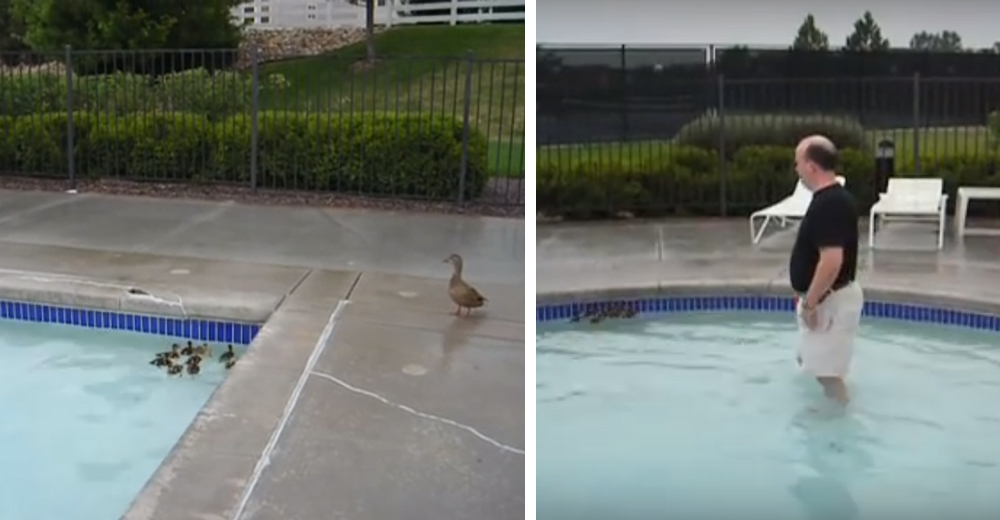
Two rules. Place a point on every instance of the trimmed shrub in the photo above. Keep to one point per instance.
(605, 187)
(213, 94)
(383, 155)
(769, 130)
(993, 127)
(689, 181)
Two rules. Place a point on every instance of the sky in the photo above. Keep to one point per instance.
(757, 22)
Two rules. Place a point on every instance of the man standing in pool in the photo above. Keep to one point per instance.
(822, 269)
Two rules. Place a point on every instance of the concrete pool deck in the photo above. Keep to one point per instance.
(380, 408)
(646, 255)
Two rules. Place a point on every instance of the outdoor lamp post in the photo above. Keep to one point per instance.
(885, 165)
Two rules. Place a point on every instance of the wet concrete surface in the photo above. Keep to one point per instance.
(646, 254)
(401, 243)
(362, 397)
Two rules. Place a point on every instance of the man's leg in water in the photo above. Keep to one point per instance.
(826, 353)
(835, 388)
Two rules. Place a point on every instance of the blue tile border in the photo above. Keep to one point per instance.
(762, 303)
(188, 328)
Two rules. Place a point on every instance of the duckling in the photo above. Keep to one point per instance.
(227, 355)
(463, 294)
(161, 360)
(175, 370)
(230, 363)
(203, 350)
(175, 351)
(193, 360)
(164, 354)
(188, 350)
(597, 314)
(193, 369)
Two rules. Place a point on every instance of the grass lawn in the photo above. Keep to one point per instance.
(933, 142)
(506, 158)
(420, 69)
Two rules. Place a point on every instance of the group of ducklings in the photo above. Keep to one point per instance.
(193, 354)
(597, 314)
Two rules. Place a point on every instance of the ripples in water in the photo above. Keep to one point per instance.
(719, 397)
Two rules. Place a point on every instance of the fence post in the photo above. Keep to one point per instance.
(70, 159)
(254, 109)
(466, 109)
(916, 123)
(722, 144)
(623, 70)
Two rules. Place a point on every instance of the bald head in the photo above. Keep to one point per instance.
(821, 141)
(816, 161)
(818, 150)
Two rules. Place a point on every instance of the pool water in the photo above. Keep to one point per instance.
(706, 414)
(85, 420)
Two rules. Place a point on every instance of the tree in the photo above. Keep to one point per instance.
(127, 24)
(370, 30)
(11, 36)
(809, 37)
(867, 35)
(370, 54)
(944, 41)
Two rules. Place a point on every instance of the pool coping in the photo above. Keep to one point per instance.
(227, 444)
(100, 295)
(874, 291)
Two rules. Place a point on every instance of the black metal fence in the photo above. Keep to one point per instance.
(733, 158)
(425, 127)
(626, 94)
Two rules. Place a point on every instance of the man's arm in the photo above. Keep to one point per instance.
(830, 237)
(830, 260)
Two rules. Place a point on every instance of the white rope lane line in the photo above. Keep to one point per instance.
(482, 436)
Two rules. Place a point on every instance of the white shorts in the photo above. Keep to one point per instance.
(827, 351)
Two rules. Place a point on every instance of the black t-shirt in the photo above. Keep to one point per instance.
(830, 221)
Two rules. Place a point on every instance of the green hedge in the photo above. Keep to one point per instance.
(993, 130)
(687, 181)
(214, 94)
(383, 154)
(742, 130)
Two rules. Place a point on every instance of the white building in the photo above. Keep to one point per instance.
(287, 14)
(284, 14)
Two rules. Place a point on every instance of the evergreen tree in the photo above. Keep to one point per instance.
(867, 35)
(944, 41)
(809, 37)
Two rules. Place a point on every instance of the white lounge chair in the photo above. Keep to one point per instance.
(791, 208)
(910, 199)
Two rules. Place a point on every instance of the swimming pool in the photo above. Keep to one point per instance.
(86, 420)
(703, 413)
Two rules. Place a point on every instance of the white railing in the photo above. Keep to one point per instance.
(399, 12)
(289, 14)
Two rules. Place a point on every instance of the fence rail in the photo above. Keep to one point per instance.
(452, 12)
(725, 147)
(304, 14)
(433, 128)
